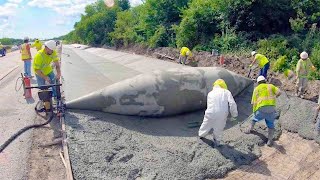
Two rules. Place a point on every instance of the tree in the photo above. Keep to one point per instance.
(199, 23)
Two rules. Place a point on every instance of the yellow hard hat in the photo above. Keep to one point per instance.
(221, 83)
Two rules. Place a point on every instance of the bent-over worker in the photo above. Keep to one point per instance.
(42, 65)
(219, 101)
(185, 54)
(264, 103)
(263, 63)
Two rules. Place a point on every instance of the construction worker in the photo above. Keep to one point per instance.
(218, 103)
(303, 68)
(263, 62)
(37, 44)
(185, 54)
(264, 103)
(42, 65)
(26, 57)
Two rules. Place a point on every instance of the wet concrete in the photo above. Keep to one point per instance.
(299, 116)
(110, 146)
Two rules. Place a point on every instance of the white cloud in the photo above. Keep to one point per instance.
(68, 7)
(8, 9)
(15, 1)
(63, 7)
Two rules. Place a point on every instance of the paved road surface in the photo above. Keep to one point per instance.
(15, 113)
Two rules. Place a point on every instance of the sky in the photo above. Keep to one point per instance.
(41, 18)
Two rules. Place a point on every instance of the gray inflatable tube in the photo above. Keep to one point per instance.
(160, 93)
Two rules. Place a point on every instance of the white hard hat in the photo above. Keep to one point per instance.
(304, 55)
(51, 44)
(26, 38)
(261, 78)
(253, 53)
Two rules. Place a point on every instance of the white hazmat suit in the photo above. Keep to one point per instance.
(218, 102)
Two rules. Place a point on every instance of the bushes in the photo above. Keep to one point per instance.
(229, 26)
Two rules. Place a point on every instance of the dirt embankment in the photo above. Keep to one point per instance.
(233, 63)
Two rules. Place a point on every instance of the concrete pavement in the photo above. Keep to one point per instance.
(15, 113)
(109, 146)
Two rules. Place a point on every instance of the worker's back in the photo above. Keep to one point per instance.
(218, 101)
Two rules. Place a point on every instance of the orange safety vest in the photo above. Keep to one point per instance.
(24, 52)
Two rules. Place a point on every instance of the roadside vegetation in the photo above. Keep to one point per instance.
(279, 29)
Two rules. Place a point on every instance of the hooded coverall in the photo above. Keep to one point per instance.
(218, 103)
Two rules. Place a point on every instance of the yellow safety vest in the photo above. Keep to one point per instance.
(42, 61)
(264, 95)
(37, 45)
(303, 67)
(262, 60)
(24, 52)
(184, 50)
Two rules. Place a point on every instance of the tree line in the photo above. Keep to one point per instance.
(279, 29)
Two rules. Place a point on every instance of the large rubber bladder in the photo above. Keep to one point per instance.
(160, 93)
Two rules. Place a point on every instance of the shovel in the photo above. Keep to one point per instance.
(249, 72)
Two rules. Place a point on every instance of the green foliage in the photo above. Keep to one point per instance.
(280, 64)
(278, 29)
(11, 41)
(260, 18)
(315, 56)
(124, 4)
(124, 32)
(273, 47)
(298, 24)
(156, 15)
(158, 38)
(199, 23)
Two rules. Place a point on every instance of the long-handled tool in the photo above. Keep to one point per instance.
(249, 72)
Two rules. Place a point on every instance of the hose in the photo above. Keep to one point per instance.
(17, 83)
(21, 131)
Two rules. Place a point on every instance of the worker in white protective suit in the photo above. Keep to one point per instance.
(218, 103)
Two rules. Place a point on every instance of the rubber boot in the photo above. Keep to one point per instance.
(270, 137)
(250, 129)
(297, 91)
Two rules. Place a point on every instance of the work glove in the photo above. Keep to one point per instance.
(233, 119)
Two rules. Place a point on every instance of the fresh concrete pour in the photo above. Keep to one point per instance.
(110, 146)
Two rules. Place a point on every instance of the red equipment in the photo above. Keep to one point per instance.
(221, 60)
(26, 83)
